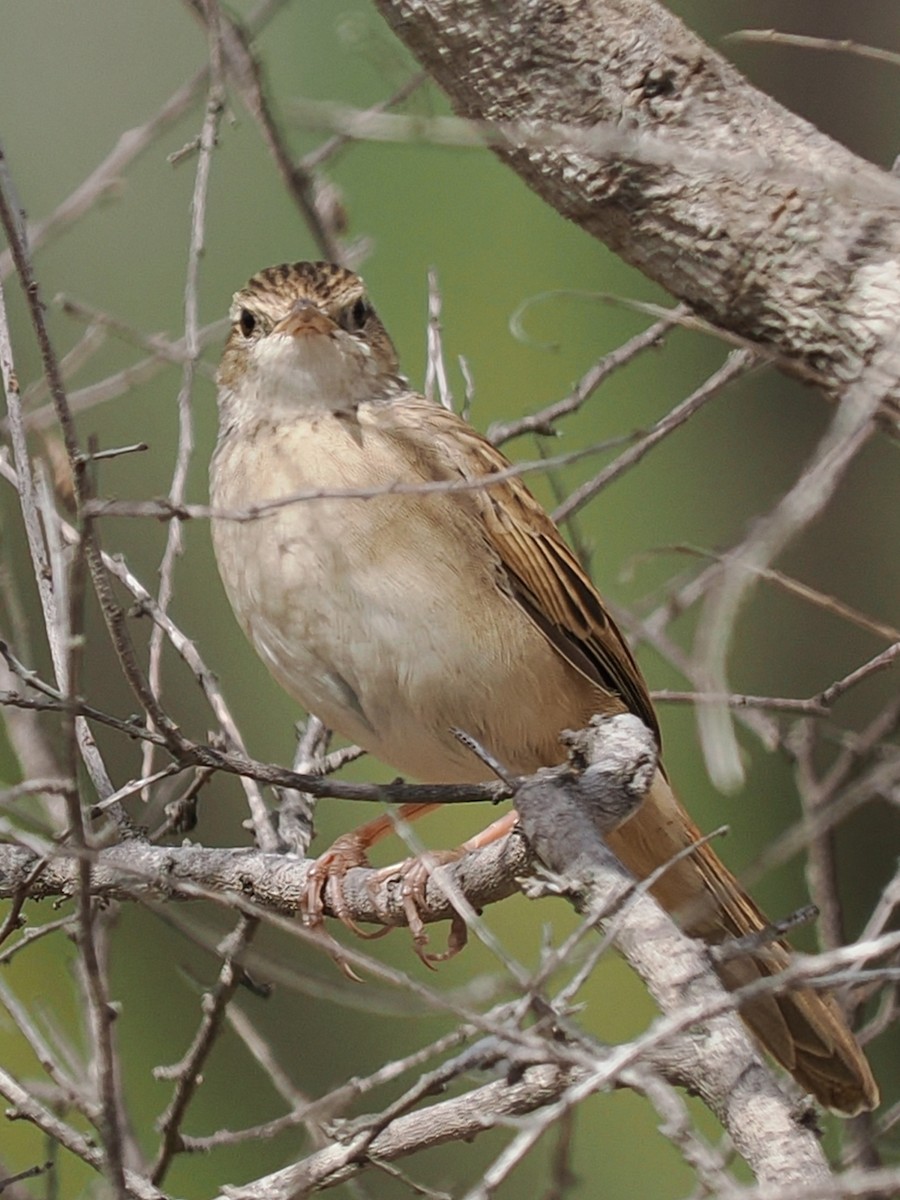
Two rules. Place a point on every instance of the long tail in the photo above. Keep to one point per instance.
(804, 1030)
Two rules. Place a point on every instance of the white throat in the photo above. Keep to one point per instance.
(287, 375)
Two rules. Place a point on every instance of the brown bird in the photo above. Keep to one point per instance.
(397, 617)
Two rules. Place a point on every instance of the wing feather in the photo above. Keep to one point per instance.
(539, 568)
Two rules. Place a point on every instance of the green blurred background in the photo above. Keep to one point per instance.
(72, 79)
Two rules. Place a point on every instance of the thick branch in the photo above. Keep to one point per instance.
(276, 881)
(673, 137)
(563, 820)
(458, 1120)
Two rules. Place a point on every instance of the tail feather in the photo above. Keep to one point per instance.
(804, 1030)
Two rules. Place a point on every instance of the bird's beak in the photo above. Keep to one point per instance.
(303, 320)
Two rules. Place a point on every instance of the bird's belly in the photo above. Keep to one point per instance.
(396, 654)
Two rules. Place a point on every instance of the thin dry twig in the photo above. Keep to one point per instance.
(435, 367)
(163, 510)
(187, 1073)
(737, 364)
(681, 598)
(544, 421)
(26, 1107)
(598, 140)
(215, 105)
(850, 429)
(776, 37)
(246, 74)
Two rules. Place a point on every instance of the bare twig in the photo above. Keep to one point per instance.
(187, 1072)
(105, 179)
(688, 594)
(435, 367)
(598, 140)
(736, 365)
(26, 1107)
(247, 76)
(850, 429)
(544, 420)
(163, 510)
(214, 107)
(775, 37)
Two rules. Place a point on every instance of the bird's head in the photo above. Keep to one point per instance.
(304, 336)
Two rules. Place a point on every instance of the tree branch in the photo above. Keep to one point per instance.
(565, 813)
(136, 868)
(723, 1066)
(808, 270)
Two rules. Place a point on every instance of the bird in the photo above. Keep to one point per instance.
(405, 592)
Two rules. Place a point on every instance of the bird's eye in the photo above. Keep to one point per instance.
(356, 315)
(247, 322)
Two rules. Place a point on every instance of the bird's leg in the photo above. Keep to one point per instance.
(346, 852)
(414, 874)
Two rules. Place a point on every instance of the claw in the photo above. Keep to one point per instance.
(349, 851)
(335, 952)
(329, 870)
(413, 876)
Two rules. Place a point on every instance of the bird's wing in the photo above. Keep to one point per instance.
(541, 571)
